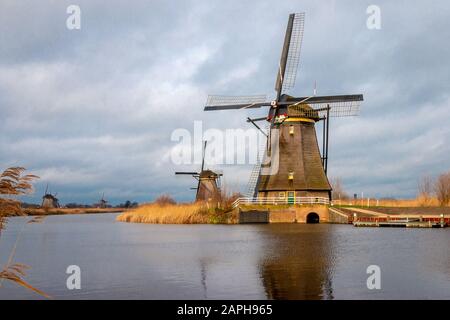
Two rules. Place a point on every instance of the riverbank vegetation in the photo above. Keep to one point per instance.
(387, 202)
(61, 211)
(431, 192)
(164, 210)
(13, 183)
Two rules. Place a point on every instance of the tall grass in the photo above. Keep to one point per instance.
(165, 210)
(13, 182)
(61, 211)
(400, 203)
(169, 214)
(185, 213)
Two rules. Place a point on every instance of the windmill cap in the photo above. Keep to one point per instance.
(303, 110)
(205, 174)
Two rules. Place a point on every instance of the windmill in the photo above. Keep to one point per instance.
(49, 201)
(208, 187)
(102, 203)
(301, 169)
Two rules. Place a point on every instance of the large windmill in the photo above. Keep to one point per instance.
(208, 187)
(300, 170)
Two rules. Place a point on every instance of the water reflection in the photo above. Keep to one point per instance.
(299, 263)
(278, 261)
(203, 268)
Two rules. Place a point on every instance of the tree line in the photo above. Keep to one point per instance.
(434, 188)
(431, 191)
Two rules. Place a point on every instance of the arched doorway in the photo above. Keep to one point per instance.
(312, 217)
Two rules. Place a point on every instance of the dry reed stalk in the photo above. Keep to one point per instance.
(166, 214)
(15, 271)
(398, 203)
(14, 183)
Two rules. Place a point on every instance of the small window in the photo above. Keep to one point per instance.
(291, 175)
(291, 129)
(281, 195)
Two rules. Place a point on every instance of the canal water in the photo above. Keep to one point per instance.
(279, 261)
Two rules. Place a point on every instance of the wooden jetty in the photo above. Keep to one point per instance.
(400, 223)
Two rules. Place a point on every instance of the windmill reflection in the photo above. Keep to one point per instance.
(300, 262)
(203, 267)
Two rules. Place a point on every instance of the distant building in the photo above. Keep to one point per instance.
(49, 201)
(102, 203)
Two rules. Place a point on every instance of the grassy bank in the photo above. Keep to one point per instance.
(61, 211)
(393, 203)
(192, 213)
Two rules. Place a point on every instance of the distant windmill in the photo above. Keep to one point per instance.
(208, 187)
(49, 201)
(302, 170)
(102, 203)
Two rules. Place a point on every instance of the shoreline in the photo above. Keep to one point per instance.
(65, 211)
(183, 213)
(194, 213)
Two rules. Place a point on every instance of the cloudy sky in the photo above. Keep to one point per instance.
(93, 110)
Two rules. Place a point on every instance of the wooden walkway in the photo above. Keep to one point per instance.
(405, 223)
(360, 217)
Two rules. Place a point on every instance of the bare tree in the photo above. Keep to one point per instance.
(338, 192)
(165, 200)
(426, 190)
(442, 189)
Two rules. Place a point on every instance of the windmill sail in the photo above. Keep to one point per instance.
(186, 173)
(301, 171)
(217, 102)
(339, 106)
(290, 56)
(203, 155)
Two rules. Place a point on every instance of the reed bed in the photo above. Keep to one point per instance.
(62, 211)
(399, 203)
(418, 202)
(167, 214)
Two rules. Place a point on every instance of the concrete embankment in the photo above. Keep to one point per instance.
(290, 214)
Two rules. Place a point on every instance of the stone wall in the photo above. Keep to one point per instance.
(294, 214)
(282, 216)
